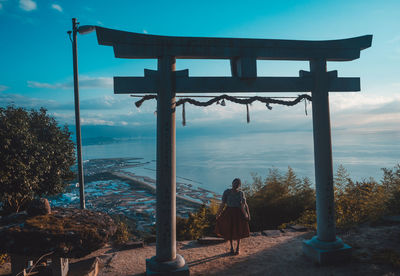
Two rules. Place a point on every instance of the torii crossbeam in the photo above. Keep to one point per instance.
(243, 55)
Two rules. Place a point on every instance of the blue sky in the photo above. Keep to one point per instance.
(36, 58)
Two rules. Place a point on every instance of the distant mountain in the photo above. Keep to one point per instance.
(102, 134)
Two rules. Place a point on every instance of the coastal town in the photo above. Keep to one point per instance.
(113, 187)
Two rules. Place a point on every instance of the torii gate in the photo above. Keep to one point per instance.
(243, 54)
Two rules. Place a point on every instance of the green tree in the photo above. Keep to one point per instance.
(341, 180)
(362, 201)
(391, 184)
(199, 224)
(36, 156)
(280, 199)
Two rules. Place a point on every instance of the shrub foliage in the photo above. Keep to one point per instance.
(199, 224)
(361, 201)
(284, 198)
(36, 156)
(277, 199)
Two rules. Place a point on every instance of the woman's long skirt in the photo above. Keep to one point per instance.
(232, 225)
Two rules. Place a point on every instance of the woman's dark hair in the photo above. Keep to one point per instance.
(236, 183)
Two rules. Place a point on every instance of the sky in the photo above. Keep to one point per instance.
(36, 60)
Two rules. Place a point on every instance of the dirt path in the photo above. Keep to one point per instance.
(265, 255)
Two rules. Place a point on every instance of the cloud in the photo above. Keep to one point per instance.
(27, 5)
(349, 112)
(84, 82)
(389, 107)
(95, 121)
(56, 7)
(107, 102)
(113, 109)
(35, 84)
(366, 112)
(356, 101)
(145, 31)
(3, 87)
(26, 102)
(96, 82)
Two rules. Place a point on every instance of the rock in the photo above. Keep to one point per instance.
(255, 234)
(272, 233)
(150, 239)
(287, 230)
(39, 207)
(391, 219)
(89, 267)
(298, 228)
(210, 240)
(68, 232)
(131, 245)
(13, 218)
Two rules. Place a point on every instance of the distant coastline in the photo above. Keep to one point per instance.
(111, 186)
(203, 157)
(152, 187)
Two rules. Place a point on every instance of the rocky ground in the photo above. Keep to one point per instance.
(376, 252)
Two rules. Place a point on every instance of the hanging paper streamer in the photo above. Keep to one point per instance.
(248, 113)
(183, 115)
(305, 106)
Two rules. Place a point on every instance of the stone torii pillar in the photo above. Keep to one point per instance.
(166, 257)
(325, 248)
(243, 55)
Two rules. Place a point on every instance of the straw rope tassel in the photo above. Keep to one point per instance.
(183, 115)
(248, 113)
(305, 106)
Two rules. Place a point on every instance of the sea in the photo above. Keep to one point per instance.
(212, 162)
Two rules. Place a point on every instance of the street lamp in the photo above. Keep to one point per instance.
(82, 30)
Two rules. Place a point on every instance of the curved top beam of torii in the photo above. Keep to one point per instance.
(135, 45)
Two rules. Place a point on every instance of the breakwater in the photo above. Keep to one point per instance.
(111, 186)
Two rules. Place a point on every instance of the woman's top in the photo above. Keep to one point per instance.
(233, 198)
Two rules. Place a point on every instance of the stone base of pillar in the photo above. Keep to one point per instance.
(177, 267)
(326, 253)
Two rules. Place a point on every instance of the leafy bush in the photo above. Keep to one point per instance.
(126, 229)
(122, 234)
(4, 258)
(284, 198)
(278, 199)
(361, 201)
(36, 156)
(199, 224)
(308, 219)
(391, 184)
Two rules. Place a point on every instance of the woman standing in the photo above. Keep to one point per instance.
(232, 222)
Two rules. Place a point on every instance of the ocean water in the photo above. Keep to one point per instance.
(212, 162)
